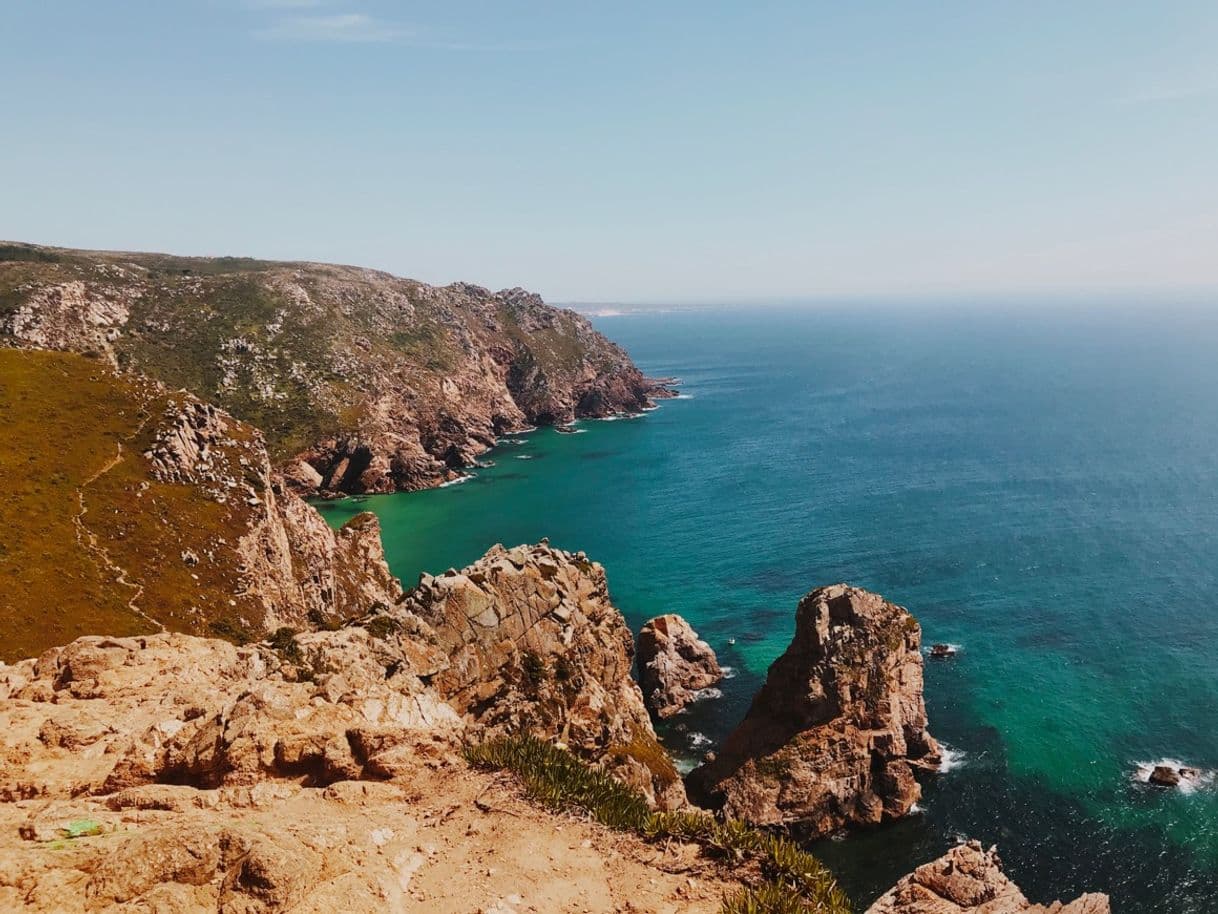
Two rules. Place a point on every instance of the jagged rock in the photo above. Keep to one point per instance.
(536, 646)
(1165, 776)
(969, 880)
(674, 664)
(835, 734)
(411, 382)
(320, 707)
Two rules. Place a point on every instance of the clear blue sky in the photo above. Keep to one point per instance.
(620, 151)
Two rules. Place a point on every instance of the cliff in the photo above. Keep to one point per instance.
(130, 509)
(361, 381)
(536, 647)
(839, 727)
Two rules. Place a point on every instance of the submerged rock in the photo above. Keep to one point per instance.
(969, 880)
(834, 736)
(674, 665)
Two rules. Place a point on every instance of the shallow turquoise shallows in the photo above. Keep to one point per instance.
(1040, 488)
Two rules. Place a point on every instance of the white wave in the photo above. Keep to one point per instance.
(457, 481)
(698, 740)
(682, 397)
(729, 672)
(704, 694)
(524, 456)
(915, 809)
(954, 648)
(685, 765)
(952, 759)
(1203, 778)
(512, 441)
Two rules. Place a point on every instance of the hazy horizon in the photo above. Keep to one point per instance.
(638, 153)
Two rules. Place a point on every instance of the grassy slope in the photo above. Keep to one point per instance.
(72, 436)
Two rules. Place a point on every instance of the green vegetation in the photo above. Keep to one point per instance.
(795, 881)
(91, 543)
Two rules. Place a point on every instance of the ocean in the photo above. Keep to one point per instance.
(1038, 485)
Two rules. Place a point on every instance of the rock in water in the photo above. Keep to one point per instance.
(674, 664)
(835, 734)
(1165, 776)
(969, 880)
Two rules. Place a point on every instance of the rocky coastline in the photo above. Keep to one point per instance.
(216, 703)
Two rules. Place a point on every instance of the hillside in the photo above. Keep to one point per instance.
(361, 381)
(129, 508)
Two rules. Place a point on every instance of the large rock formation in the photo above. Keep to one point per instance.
(315, 774)
(536, 646)
(834, 736)
(130, 509)
(674, 665)
(361, 381)
(970, 880)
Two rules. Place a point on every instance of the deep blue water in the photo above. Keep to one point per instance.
(1039, 486)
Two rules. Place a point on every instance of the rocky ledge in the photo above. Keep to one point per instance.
(674, 665)
(836, 733)
(970, 880)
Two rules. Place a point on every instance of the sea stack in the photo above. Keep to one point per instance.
(674, 665)
(834, 736)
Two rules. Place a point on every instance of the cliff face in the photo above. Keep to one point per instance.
(361, 381)
(835, 734)
(535, 646)
(970, 880)
(132, 509)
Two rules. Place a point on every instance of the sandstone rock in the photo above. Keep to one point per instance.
(536, 646)
(969, 880)
(834, 736)
(674, 664)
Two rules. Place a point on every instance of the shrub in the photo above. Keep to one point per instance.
(797, 883)
(381, 627)
(284, 644)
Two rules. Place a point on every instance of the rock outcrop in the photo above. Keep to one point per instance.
(834, 736)
(970, 880)
(535, 646)
(361, 381)
(674, 665)
(152, 510)
(318, 773)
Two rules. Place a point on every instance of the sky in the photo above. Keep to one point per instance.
(629, 152)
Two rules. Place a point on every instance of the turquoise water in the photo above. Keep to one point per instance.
(1041, 489)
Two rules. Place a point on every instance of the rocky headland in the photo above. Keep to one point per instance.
(835, 735)
(360, 381)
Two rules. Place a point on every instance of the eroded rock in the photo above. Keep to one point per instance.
(970, 880)
(674, 665)
(836, 733)
(536, 646)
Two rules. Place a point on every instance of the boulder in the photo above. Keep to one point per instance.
(674, 665)
(1165, 776)
(836, 733)
(970, 880)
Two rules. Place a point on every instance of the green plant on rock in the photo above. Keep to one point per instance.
(797, 883)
